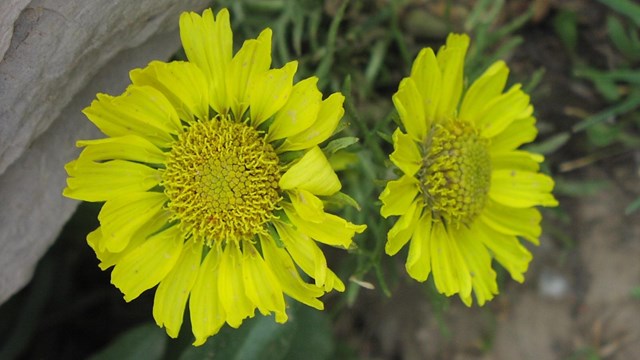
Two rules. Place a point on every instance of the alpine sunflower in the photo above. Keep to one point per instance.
(467, 193)
(213, 182)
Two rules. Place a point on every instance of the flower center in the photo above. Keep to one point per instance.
(456, 172)
(221, 179)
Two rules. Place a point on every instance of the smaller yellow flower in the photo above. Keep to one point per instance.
(213, 182)
(467, 193)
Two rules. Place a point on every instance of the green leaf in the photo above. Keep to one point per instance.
(625, 7)
(631, 102)
(626, 44)
(579, 188)
(257, 338)
(314, 338)
(602, 135)
(633, 207)
(338, 144)
(341, 199)
(145, 341)
(384, 136)
(550, 145)
(565, 25)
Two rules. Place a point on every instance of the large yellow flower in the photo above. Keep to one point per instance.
(213, 182)
(466, 193)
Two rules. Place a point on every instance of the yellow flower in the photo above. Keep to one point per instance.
(466, 193)
(213, 181)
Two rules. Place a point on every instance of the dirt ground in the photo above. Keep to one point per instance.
(576, 302)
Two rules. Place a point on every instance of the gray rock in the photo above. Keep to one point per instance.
(9, 12)
(61, 53)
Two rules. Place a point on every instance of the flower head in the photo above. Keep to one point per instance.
(213, 181)
(466, 193)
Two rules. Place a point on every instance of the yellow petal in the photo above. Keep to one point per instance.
(478, 260)
(516, 160)
(521, 189)
(205, 307)
(451, 61)
(299, 112)
(329, 115)
(502, 111)
(406, 155)
(401, 232)
(145, 266)
(409, 103)
(107, 258)
(285, 271)
(121, 217)
(270, 92)
(91, 181)
(333, 282)
(419, 260)
(304, 252)
(307, 205)
(129, 147)
(182, 83)
(523, 222)
(487, 87)
(521, 131)
(261, 286)
(334, 230)
(253, 59)
(312, 173)
(231, 286)
(172, 293)
(506, 249)
(426, 74)
(398, 195)
(141, 110)
(449, 269)
(208, 43)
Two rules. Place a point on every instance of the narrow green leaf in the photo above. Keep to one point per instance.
(338, 144)
(341, 200)
(327, 60)
(550, 145)
(625, 7)
(633, 207)
(579, 188)
(565, 24)
(631, 102)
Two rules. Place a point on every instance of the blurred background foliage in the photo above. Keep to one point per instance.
(578, 59)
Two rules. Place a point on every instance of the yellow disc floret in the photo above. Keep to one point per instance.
(456, 172)
(221, 179)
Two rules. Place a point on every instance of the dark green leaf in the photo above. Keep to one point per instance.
(579, 188)
(565, 25)
(146, 341)
(313, 339)
(257, 338)
(603, 134)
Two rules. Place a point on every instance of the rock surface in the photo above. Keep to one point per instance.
(55, 56)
